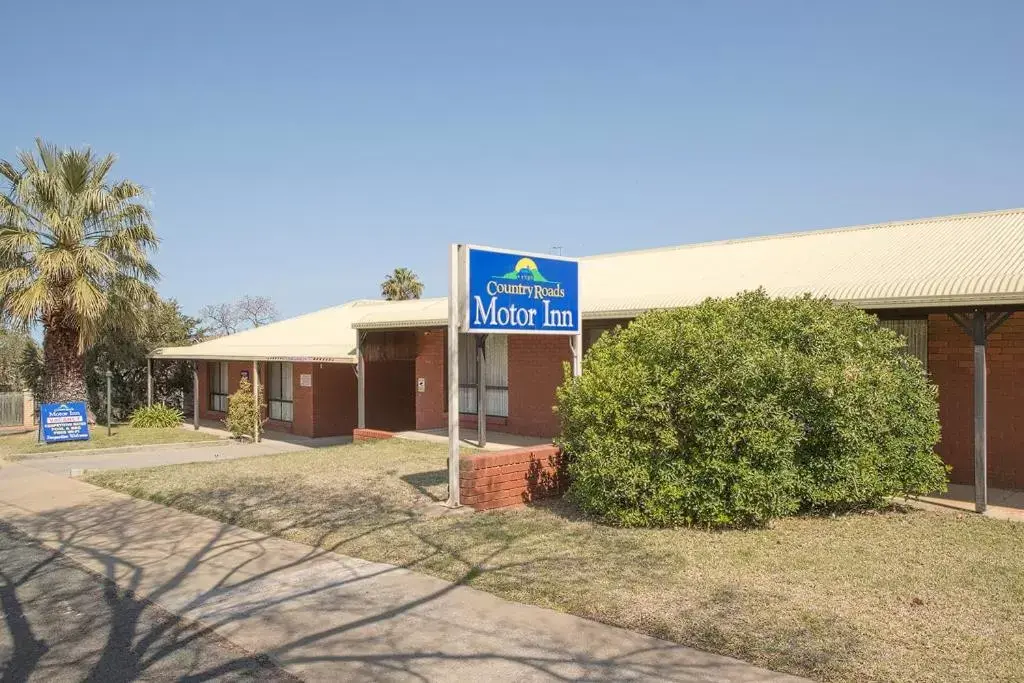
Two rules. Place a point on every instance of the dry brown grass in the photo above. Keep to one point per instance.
(910, 596)
(25, 445)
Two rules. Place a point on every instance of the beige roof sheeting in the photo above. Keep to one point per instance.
(963, 260)
(406, 314)
(324, 336)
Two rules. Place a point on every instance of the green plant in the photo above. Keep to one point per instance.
(401, 284)
(156, 415)
(244, 416)
(74, 254)
(740, 410)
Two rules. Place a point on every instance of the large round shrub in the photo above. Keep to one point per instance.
(743, 409)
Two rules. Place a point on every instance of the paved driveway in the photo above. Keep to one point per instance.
(326, 617)
(63, 623)
(157, 455)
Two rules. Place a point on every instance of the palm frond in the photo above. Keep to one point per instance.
(70, 237)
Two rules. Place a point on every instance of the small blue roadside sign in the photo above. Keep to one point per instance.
(64, 422)
(510, 292)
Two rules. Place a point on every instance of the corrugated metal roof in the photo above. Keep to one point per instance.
(405, 314)
(963, 260)
(968, 259)
(325, 336)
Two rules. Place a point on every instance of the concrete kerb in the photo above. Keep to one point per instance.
(135, 448)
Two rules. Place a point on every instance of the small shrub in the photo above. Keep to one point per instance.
(243, 418)
(157, 415)
(744, 409)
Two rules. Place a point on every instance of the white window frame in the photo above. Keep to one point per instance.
(218, 399)
(280, 392)
(495, 373)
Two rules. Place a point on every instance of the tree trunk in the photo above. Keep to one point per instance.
(64, 367)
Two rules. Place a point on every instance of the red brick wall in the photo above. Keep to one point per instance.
(510, 478)
(431, 410)
(335, 401)
(304, 398)
(534, 371)
(951, 364)
(302, 408)
(371, 434)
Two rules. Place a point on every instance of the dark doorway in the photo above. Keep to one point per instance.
(391, 395)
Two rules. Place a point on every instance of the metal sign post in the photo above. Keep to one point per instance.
(453, 376)
(496, 291)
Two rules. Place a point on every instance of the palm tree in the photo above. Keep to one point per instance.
(74, 252)
(400, 285)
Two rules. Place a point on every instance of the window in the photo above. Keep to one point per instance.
(279, 391)
(495, 374)
(915, 331)
(218, 377)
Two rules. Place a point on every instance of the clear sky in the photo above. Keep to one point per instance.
(302, 150)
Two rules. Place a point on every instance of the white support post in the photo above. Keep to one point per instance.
(980, 413)
(360, 380)
(195, 395)
(576, 344)
(149, 381)
(256, 400)
(481, 391)
(453, 377)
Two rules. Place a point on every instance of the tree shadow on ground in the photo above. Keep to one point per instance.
(247, 578)
(428, 483)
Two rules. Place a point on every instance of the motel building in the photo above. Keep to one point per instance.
(953, 286)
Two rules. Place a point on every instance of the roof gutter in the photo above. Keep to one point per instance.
(156, 355)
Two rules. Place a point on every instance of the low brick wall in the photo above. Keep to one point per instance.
(502, 479)
(370, 434)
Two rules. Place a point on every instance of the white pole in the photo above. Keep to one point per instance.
(481, 391)
(256, 399)
(195, 395)
(576, 342)
(453, 376)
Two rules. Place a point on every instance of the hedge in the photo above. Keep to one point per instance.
(741, 410)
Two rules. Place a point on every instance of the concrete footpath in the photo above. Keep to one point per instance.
(327, 617)
(171, 454)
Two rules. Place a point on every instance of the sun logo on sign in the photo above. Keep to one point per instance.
(525, 271)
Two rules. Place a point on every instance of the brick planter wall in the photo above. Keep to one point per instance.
(509, 478)
(370, 434)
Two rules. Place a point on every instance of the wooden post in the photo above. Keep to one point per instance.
(256, 399)
(195, 395)
(453, 377)
(149, 381)
(481, 390)
(360, 380)
(980, 413)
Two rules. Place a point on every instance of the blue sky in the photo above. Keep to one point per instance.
(303, 150)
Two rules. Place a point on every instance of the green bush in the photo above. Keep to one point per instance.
(744, 409)
(157, 415)
(243, 419)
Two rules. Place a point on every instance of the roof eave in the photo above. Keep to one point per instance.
(156, 355)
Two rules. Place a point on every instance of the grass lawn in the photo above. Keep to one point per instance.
(911, 596)
(19, 446)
